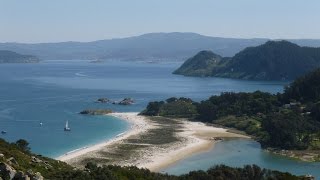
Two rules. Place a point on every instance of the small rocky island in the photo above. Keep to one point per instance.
(103, 100)
(125, 101)
(96, 111)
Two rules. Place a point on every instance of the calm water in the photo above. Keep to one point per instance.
(241, 152)
(52, 92)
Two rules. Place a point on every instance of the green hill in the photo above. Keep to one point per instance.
(274, 60)
(202, 64)
(13, 57)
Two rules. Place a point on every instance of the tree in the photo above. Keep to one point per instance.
(23, 145)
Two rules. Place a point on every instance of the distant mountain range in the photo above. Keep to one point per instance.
(152, 47)
(13, 57)
(274, 60)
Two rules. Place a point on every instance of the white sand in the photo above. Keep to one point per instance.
(138, 125)
(197, 137)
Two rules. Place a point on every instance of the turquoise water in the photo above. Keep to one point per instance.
(52, 92)
(238, 153)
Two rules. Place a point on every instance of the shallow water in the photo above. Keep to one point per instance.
(241, 152)
(52, 92)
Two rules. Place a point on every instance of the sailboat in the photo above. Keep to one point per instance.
(66, 128)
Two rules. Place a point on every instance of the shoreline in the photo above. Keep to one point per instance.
(200, 138)
(136, 126)
(190, 138)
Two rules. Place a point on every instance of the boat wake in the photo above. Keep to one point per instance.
(80, 74)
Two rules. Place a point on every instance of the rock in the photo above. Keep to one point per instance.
(21, 176)
(30, 173)
(35, 160)
(7, 171)
(37, 176)
(126, 101)
(12, 160)
(34, 176)
(103, 100)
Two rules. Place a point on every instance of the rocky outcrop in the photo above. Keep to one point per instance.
(12, 161)
(103, 100)
(126, 101)
(22, 176)
(6, 171)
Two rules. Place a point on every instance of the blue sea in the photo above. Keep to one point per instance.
(52, 92)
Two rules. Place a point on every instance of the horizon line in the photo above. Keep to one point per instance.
(139, 35)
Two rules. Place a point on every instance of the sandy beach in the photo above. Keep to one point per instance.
(143, 146)
(138, 125)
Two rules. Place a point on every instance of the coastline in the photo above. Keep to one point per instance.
(143, 150)
(137, 125)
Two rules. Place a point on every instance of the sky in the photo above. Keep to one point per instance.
(32, 21)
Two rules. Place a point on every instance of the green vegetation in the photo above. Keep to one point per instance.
(202, 64)
(172, 107)
(290, 120)
(274, 60)
(18, 156)
(13, 57)
(96, 111)
(305, 88)
(16, 163)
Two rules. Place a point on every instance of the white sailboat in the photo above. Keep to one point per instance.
(66, 128)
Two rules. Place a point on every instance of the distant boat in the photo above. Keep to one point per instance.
(40, 123)
(66, 128)
(3, 132)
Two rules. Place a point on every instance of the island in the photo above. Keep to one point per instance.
(125, 101)
(285, 123)
(103, 100)
(13, 57)
(274, 60)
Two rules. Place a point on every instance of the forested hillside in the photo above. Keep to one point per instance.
(290, 120)
(274, 60)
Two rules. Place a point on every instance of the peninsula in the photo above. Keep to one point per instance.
(13, 57)
(286, 123)
(274, 60)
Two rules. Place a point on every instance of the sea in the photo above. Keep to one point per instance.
(36, 100)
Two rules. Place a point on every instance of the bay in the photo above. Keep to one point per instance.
(52, 92)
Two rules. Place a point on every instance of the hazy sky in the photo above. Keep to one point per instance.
(87, 20)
